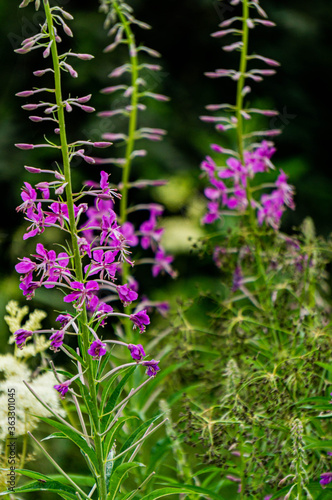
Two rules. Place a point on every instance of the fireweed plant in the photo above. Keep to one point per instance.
(96, 252)
(134, 92)
(263, 416)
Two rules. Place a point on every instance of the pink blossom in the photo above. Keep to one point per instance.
(140, 320)
(83, 293)
(126, 294)
(162, 264)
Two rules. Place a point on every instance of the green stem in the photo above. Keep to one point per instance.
(132, 126)
(241, 80)
(239, 109)
(133, 113)
(240, 144)
(83, 320)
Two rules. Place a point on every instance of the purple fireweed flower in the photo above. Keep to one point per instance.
(106, 191)
(60, 212)
(217, 192)
(83, 294)
(84, 246)
(258, 160)
(109, 226)
(325, 478)
(99, 309)
(209, 166)
(52, 267)
(162, 264)
(140, 320)
(57, 340)
(126, 294)
(329, 453)
(44, 188)
(62, 388)
(153, 367)
(26, 266)
(133, 284)
(119, 244)
(237, 279)
(64, 319)
(29, 196)
(38, 222)
(28, 286)
(271, 210)
(102, 310)
(136, 351)
(150, 234)
(97, 349)
(213, 213)
(218, 253)
(102, 263)
(128, 231)
(95, 217)
(285, 191)
(268, 497)
(235, 170)
(21, 337)
(239, 201)
(162, 308)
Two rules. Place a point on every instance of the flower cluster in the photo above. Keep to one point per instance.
(234, 195)
(88, 272)
(231, 179)
(133, 98)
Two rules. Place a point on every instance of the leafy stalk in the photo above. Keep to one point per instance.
(76, 254)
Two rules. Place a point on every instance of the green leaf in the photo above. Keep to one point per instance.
(111, 403)
(187, 488)
(76, 438)
(319, 445)
(109, 466)
(79, 479)
(205, 470)
(74, 354)
(112, 433)
(65, 491)
(104, 362)
(55, 435)
(109, 385)
(325, 366)
(118, 476)
(132, 438)
(31, 473)
(89, 404)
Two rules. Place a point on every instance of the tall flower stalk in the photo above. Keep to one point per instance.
(266, 321)
(134, 90)
(95, 376)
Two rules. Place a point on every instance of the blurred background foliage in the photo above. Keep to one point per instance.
(181, 32)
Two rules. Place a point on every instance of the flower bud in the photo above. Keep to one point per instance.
(25, 146)
(32, 170)
(102, 144)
